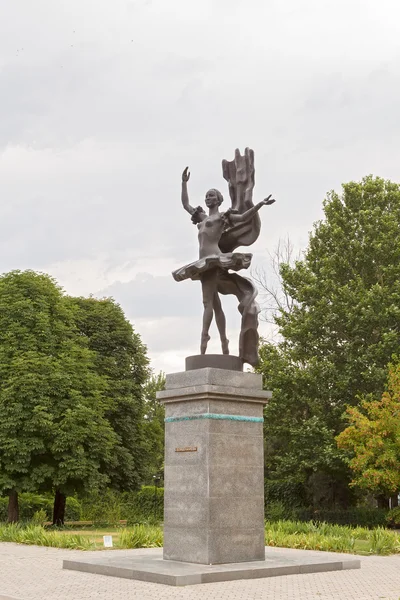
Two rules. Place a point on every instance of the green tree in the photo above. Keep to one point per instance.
(83, 443)
(299, 440)
(120, 358)
(338, 336)
(373, 438)
(52, 426)
(154, 428)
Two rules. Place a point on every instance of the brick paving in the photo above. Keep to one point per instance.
(32, 573)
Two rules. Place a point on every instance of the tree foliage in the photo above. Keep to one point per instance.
(338, 336)
(153, 427)
(121, 360)
(299, 442)
(373, 437)
(53, 431)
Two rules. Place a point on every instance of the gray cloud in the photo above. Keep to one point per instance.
(156, 297)
(103, 104)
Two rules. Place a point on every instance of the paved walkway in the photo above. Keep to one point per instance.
(32, 573)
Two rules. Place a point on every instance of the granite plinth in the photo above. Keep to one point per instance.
(213, 476)
(150, 566)
(213, 384)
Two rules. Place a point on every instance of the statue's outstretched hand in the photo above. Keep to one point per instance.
(268, 200)
(186, 175)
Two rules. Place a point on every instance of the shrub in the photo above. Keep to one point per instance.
(383, 542)
(129, 509)
(39, 517)
(291, 494)
(109, 507)
(145, 506)
(363, 517)
(30, 504)
(277, 511)
(149, 504)
(311, 539)
(331, 538)
(39, 536)
(3, 509)
(102, 508)
(73, 509)
(141, 536)
(393, 517)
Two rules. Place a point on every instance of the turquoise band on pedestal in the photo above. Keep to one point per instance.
(216, 417)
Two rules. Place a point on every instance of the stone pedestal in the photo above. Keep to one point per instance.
(214, 513)
(214, 469)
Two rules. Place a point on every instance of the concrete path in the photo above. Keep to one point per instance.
(32, 573)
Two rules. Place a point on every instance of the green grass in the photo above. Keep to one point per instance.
(331, 538)
(283, 534)
(39, 536)
(140, 536)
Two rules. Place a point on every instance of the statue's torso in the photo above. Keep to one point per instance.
(210, 231)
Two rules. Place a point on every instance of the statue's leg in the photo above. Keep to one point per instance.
(209, 286)
(221, 323)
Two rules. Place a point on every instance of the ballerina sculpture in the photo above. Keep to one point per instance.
(219, 234)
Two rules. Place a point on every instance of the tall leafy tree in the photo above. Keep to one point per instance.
(52, 426)
(120, 358)
(339, 335)
(373, 438)
(154, 428)
(83, 442)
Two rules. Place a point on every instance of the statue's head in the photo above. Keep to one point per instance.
(213, 198)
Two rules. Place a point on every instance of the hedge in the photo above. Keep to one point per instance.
(393, 517)
(361, 517)
(147, 505)
(291, 494)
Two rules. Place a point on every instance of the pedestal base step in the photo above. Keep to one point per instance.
(149, 566)
(216, 361)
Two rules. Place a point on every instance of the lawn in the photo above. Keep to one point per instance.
(95, 534)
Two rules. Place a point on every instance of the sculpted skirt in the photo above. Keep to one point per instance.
(234, 261)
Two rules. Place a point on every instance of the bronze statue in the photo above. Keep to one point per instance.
(219, 234)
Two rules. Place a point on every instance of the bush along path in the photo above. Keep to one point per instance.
(284, 534)
(141, 536)
(331, 538)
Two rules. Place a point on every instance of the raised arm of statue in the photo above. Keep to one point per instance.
(249, 214)
(198, 213)
(185, 195)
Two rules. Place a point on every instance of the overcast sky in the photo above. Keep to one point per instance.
(102, 105)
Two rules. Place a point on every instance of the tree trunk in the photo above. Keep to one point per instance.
(383, 501)
(394, 501)
(60, 500)
(13, 507)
